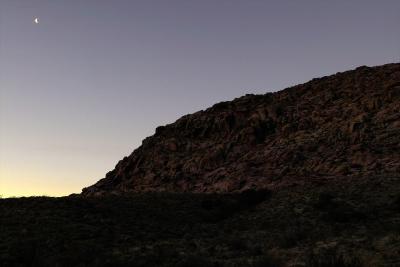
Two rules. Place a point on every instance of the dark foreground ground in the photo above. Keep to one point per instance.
(336, 224)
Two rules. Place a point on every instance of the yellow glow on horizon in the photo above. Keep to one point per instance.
(22, 184)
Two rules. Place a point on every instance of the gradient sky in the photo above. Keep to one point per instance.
(81, 89)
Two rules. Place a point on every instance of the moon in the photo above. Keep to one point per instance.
(36, 20)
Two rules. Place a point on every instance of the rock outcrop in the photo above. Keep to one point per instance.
(344, 126)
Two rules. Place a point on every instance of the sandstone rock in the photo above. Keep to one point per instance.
(347, 124)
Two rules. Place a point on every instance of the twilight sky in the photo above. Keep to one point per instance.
(82, 88)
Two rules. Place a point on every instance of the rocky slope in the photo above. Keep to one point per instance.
(344, 126)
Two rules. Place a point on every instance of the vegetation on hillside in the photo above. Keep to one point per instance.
(345, 223)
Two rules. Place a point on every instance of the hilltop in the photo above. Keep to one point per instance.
(343, 126)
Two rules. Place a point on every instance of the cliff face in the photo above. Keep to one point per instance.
(343, 126)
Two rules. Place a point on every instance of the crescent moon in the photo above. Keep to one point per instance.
(36, 20)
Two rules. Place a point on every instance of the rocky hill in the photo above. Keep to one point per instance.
(344, 126)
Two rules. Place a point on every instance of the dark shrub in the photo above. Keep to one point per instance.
(291, 237)
(262, 261)
(266, 261)
(331, 258)
(209, 204)
(325, 200)
(253, 197)
(196, 261)
(396, 203)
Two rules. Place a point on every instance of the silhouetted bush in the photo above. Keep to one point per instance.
(196, 261)
(253, 197)
(331, 258)
(266, 261)
(218, 209)
(261, 261)
(290, 237)
(209, 204)
(396, 203)
(237, 243)
(337, 210)
(325, 200)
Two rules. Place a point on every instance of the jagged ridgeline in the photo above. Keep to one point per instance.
(344, 126)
